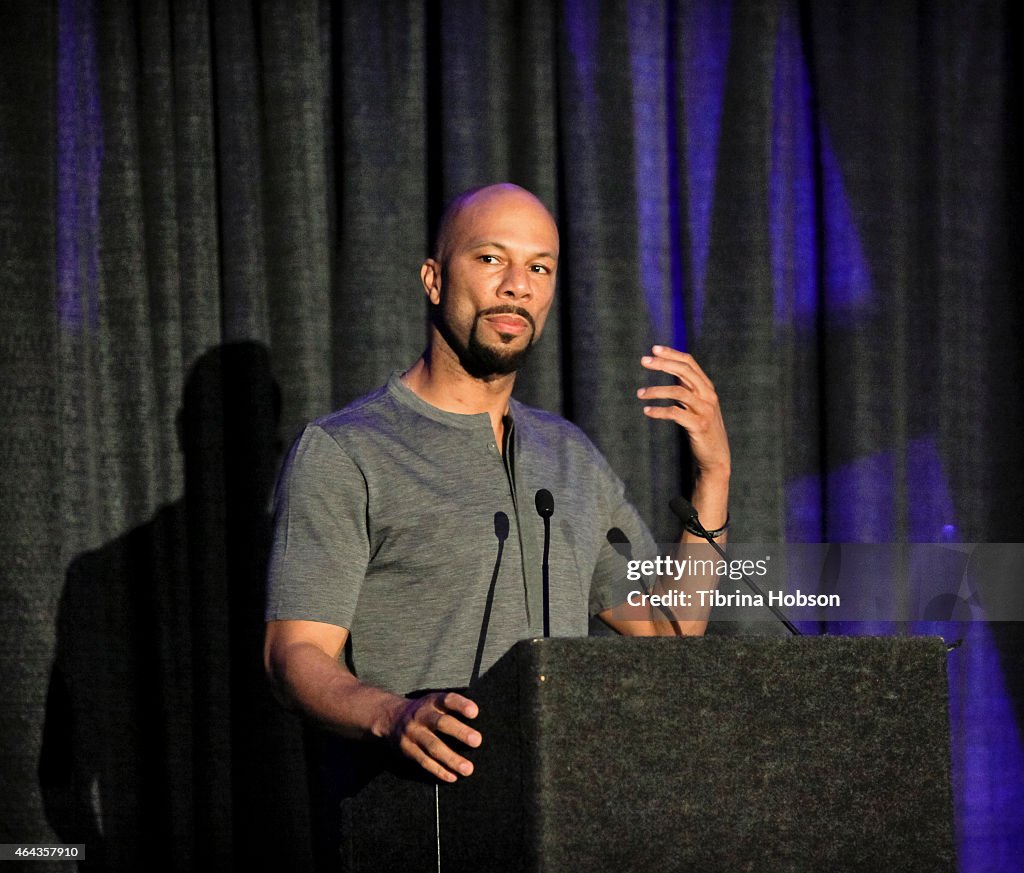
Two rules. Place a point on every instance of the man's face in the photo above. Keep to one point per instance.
(494, 282)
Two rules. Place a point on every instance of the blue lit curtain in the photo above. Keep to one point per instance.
(212, 219)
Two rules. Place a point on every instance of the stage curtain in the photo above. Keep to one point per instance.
(212, 220)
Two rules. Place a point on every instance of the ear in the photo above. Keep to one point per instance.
(430, 276)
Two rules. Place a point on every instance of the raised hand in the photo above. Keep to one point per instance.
(694, 407)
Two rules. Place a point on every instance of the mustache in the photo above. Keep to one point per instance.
(507, 309)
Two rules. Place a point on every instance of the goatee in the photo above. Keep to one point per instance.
(477, 359)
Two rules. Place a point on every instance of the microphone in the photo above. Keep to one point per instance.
(545, 504)
(501, 527)
(687, 514)
(620, 542)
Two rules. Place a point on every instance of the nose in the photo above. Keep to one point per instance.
(515, 284)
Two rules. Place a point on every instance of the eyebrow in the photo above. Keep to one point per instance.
(485, 244)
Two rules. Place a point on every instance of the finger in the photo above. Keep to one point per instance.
(704, 413)
(684, 417)
(448, 724)
(435, 757)
(443, 755)
(447, 758)
(677, 369)
(669, 352)
(679, 364)
(676, 394)
(420, 742)
(675, 355)
(462, 705)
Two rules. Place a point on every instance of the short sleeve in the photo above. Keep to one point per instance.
(321, 544)
(628, 538)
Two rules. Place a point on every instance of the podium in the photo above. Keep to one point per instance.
(703, 754)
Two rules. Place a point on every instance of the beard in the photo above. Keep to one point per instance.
(482, 361)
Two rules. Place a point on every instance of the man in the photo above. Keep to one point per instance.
(395, 513)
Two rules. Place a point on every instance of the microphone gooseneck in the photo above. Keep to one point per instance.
(545, 504)
(501, 531)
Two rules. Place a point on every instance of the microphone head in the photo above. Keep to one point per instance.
(683, 509)
(620, 542)
(616, 537)
(501, 526)
(545, 503)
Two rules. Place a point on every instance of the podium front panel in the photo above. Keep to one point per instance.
(726, 754)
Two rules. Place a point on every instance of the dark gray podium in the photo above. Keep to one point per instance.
(730, 754)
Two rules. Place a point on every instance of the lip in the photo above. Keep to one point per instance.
(508, 324)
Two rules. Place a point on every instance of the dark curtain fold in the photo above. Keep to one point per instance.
(212, 222)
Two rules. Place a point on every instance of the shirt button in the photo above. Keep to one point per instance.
(492, 445)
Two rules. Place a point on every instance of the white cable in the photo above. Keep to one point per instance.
(437, 824)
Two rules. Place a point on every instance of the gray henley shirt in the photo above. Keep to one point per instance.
(400, 521)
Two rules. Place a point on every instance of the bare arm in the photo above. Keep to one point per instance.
(301, 660)
(694, 407)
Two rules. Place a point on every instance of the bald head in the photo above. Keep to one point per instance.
(479, 207)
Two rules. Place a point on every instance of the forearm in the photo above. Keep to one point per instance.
(688, 616)
(321, 688)
(711, 500)
(303, 666)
